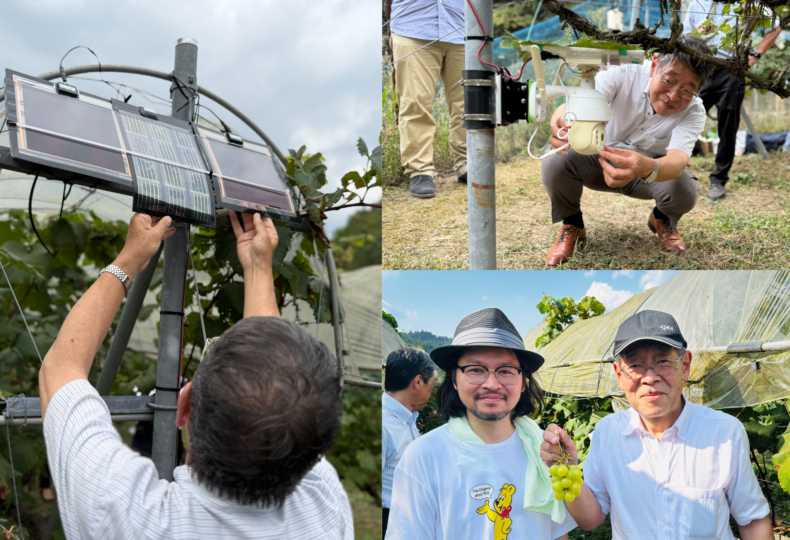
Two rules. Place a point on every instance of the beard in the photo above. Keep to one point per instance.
(488, 416)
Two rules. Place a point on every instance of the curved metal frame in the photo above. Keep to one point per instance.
(113, 68)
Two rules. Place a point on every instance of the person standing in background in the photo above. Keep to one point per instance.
(427, 38)
(723, 90)
(408, 381)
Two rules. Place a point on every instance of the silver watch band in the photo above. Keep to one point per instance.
(120, 274)
(653, 175)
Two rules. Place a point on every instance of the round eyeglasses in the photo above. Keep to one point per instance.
(506, 375)
(661, 368)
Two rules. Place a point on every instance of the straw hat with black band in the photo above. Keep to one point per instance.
(485, 328)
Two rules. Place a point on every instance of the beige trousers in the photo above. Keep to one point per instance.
(415, 84)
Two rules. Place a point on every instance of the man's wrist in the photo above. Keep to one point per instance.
(127, 266)
(646, 166)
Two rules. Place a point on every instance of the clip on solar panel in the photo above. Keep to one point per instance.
(247, 178)
(170, 175)
(74, 138)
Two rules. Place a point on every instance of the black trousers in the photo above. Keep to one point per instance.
(726, 92)
(385, 516)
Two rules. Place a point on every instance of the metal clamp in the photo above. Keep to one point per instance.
(481, 117)
(476, 82)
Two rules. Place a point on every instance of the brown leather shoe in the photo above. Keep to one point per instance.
(669, 239)
(562, 249)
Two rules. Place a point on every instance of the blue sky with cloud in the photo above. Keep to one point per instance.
(437, 300)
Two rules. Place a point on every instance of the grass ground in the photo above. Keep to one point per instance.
(748, 229)
(367, 514)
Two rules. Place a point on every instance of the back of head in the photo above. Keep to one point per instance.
(405, 364)
(266, 404)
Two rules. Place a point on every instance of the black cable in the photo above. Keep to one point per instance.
(224, 125)
(101, 73)
(1, 127)
(63, 201)
(30, 213)
(179, 84)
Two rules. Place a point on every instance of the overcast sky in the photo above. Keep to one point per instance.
(307, 72)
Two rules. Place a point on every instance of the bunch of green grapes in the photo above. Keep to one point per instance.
(566, 480)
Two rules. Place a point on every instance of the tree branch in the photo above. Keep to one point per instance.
(645, 37)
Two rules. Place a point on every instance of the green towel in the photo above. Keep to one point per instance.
(538, 493)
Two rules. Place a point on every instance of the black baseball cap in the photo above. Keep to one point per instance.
(485, 328)
(649, 325)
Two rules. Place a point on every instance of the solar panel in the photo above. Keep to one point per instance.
(55, 133)
(170, 175)
(247, 178)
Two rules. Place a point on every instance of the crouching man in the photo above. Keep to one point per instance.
(657, 116)
(665, 468)
(263, 408)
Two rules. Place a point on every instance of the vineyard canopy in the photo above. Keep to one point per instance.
(715, 310)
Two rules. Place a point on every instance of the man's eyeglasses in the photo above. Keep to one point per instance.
(506, 375)
(669, 86)
(661, 368)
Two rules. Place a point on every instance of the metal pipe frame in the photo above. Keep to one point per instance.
(481, 174)
(37, 421)
(337, 310)
(115, 68)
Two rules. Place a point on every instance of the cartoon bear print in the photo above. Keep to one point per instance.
(500, 514)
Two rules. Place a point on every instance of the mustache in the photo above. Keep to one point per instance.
(481, 395)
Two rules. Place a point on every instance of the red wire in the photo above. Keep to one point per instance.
(497, 68)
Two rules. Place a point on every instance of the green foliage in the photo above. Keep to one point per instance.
(83, 243)
(576, 417)
(358, 244)
(559, 314)
(390, 319)
(425, 340)
(782, 461)
(357, 452)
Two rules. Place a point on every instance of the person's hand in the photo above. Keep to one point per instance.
(256, 243)
(550, 448)
(753, 60)
(557, 130)
(142, 242)
(631, 164)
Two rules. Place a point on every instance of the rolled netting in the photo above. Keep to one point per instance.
(736, 323)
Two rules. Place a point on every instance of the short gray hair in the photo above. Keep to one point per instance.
(699, 67)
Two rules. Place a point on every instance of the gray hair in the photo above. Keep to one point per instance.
(699, 67)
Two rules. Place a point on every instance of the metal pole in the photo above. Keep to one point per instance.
(636, 6)
(758, 142)
(171, 321)
(481, 179)
(334, 290)
(125, 326)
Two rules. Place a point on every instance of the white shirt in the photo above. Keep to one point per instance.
(685, 486)
(106, 490)
(447, 489)
(634, 124)
(698, 13)
(399, 428)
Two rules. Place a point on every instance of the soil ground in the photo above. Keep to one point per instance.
(748, 229)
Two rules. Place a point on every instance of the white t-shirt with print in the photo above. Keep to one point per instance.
(448, 489)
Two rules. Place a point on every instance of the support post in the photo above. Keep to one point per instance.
(123, 332)
(337, 315)
(171, 321)
(481, 179)
(758, 142)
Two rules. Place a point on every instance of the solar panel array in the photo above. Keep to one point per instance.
(248, 178)
(166, 165)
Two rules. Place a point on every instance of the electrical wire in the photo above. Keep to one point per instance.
(566, 116)
(30, 214)
(11, 461)
(22, 313)
(144, 93)
(101, 74)
(63, 200)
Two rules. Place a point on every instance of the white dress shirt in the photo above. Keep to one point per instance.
(106, 490)
(399, 428)
(634, 124)
(685, 486)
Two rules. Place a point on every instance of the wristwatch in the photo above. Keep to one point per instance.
(757, 54)
(120, 274)
(653, 174)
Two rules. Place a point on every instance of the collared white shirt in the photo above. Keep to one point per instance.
(634, 124)
(429, 19)
(685, 486)
(107, 491)
(399, 428)
(698, 12)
